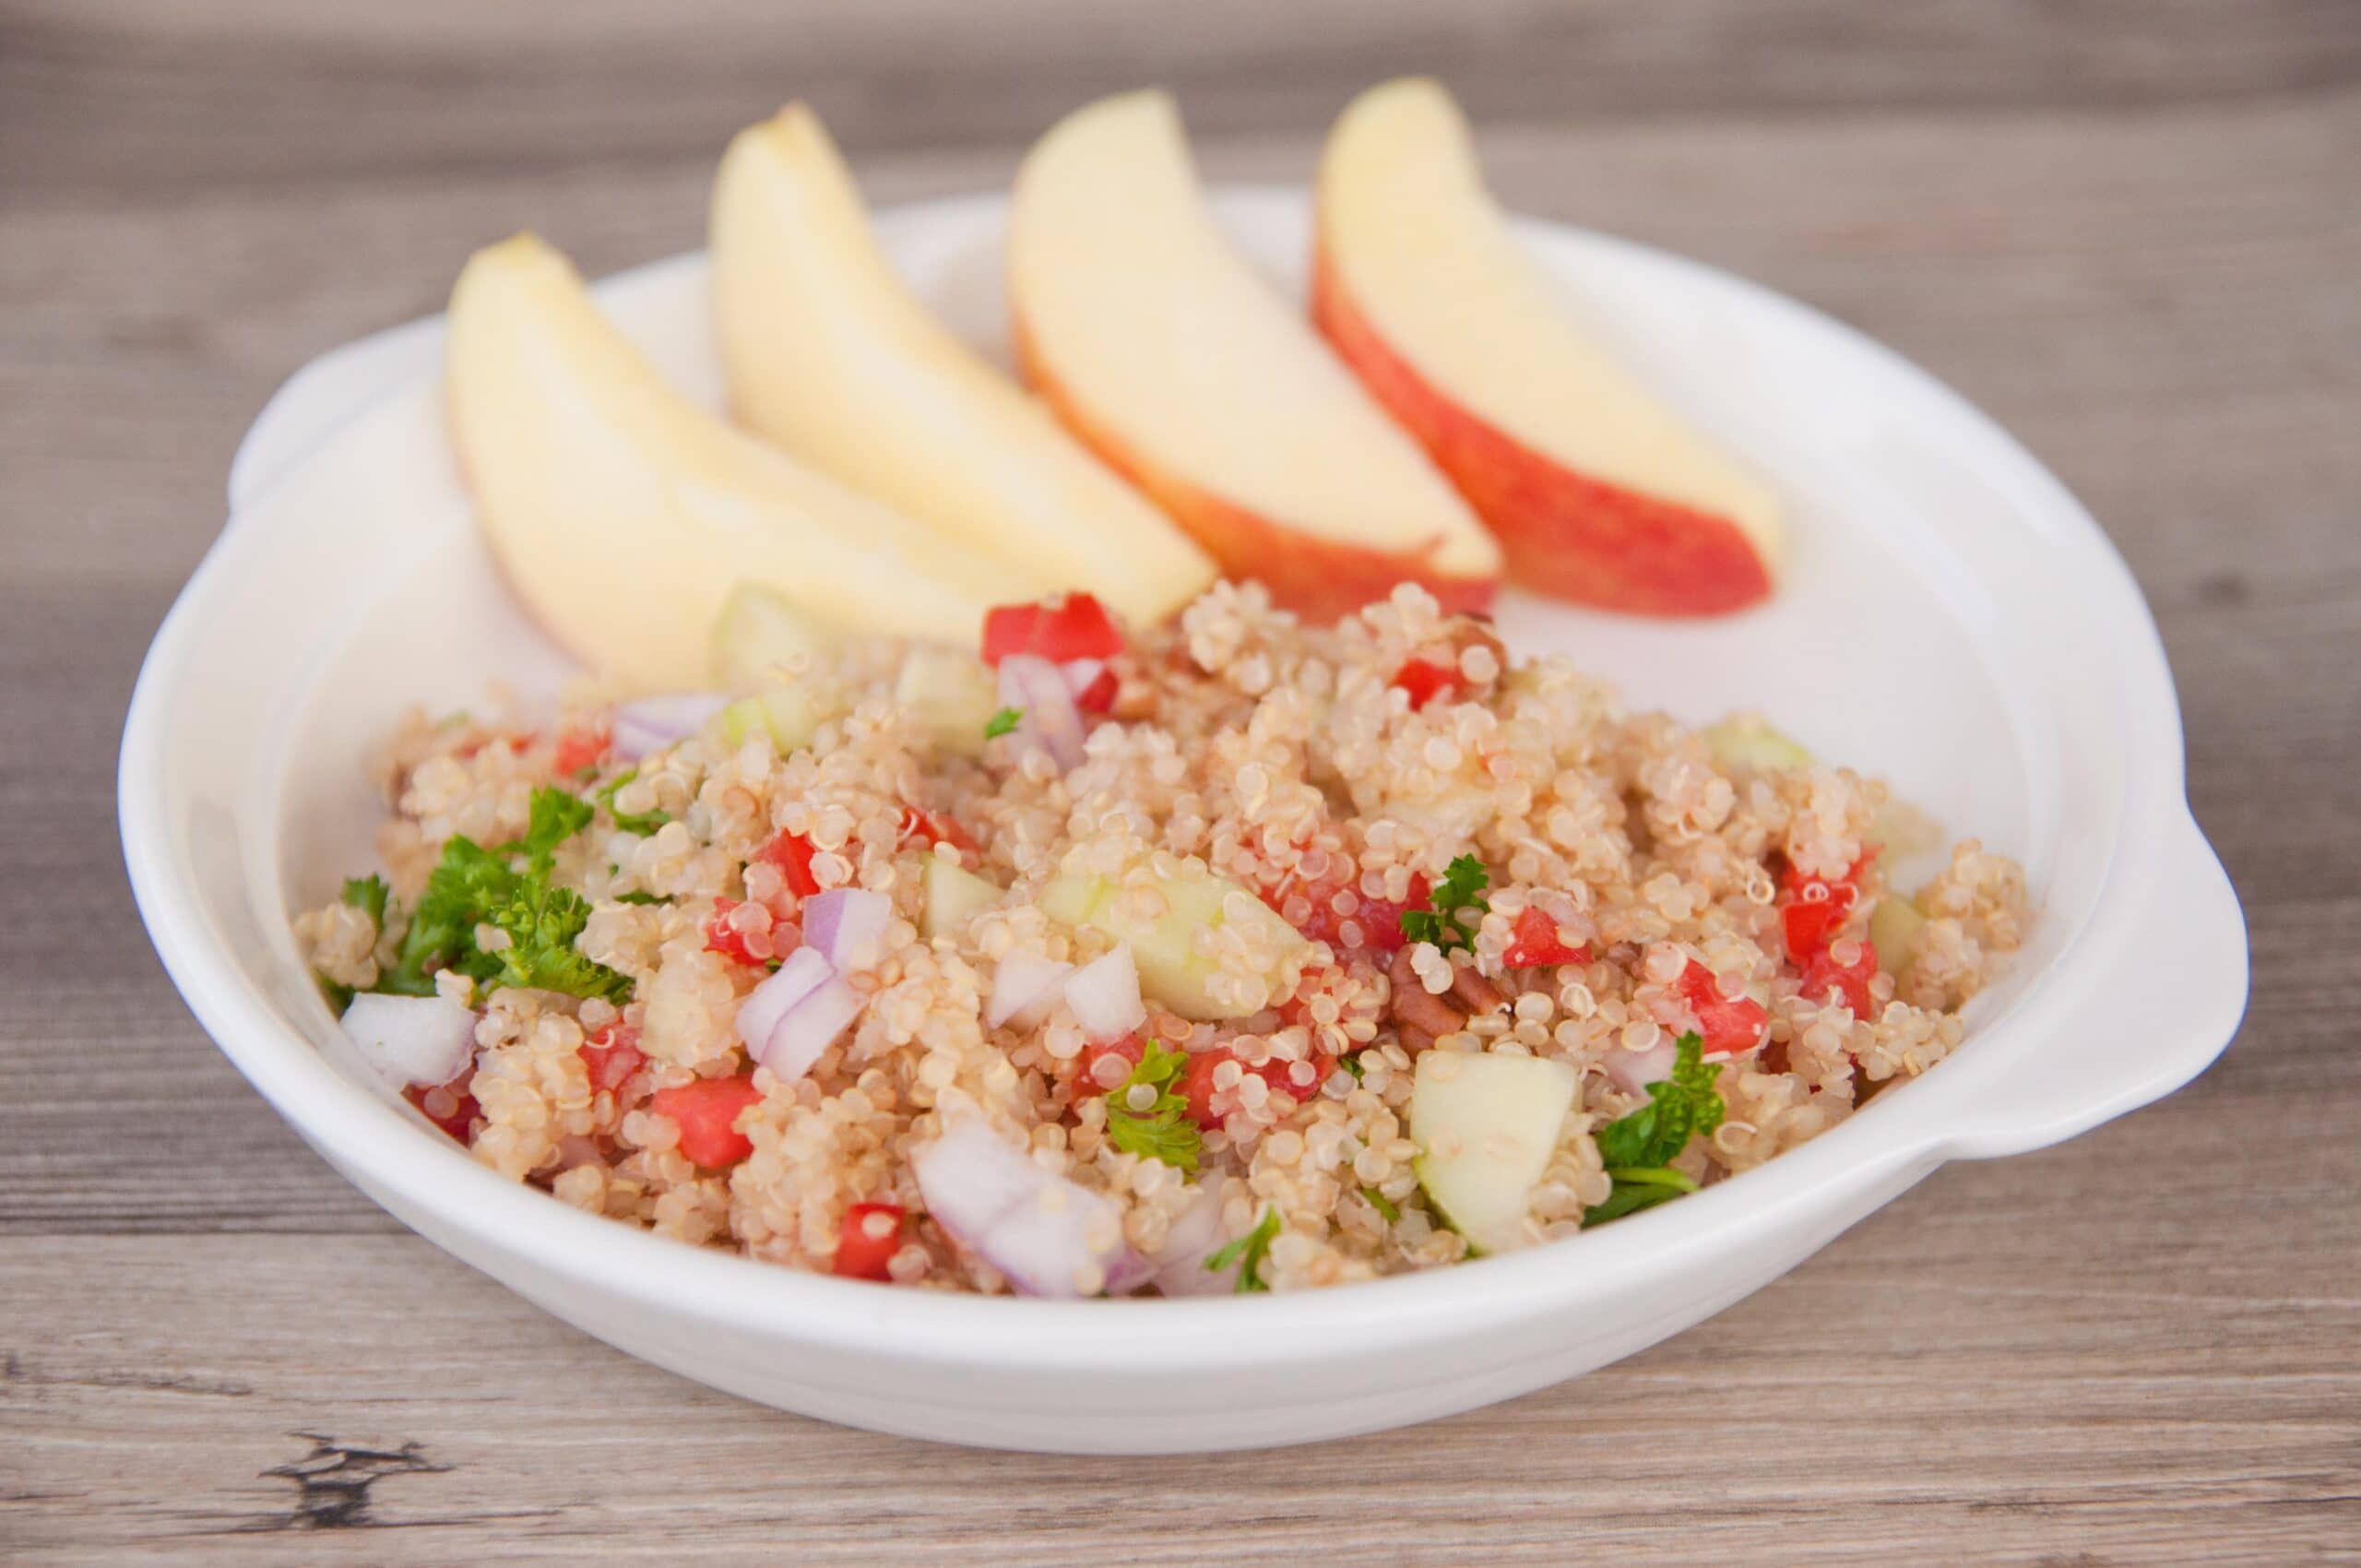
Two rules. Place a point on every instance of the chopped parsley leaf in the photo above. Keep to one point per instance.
(1443, 921)
(1639, 1188)
(644, 823)
(640, 899)
(466, 884)
(472, 887)
(542, 923)
(338, 994)
(1638, 1149)
(1247, 1252)
(1163, 1131)
(368, 894)
(1352, 1064)
(1383, 1205)
(556, 817)
(1001, 723)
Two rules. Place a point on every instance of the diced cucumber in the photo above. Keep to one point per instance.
(1743, 740)
(1171, 970)
(1487, 1126)
(952, 695)
(757, 629)
(954, 897)
(787, 713)
(1894, 926)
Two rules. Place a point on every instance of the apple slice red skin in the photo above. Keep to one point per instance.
(1565, 534)
(1320, 579)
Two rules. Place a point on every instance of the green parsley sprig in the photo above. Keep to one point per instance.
(1004, 722)
(1638, 1149)
(472, 887)
(369, 894)
(1247, 1252)
(1164, 1130)
(556, 817)
(1445, 920)
(541, 922)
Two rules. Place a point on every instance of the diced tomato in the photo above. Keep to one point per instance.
(1731, 1027)
(1128, 1050)
(1824, 974)
(578, 748)
(1534, 942)
(1380, 920)
(1814, 914)
(1197, 1085)
(1076, 626)
(706, 1112)
(612, 1055)
(868, 1240)
(792, 854)
(1816, 907)
(1197, 1082)
(737, 943)
(1425, 679)
(931, 827)
(449, 1106)
(1100, 695)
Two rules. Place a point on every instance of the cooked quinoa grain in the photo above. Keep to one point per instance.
(1254, 809)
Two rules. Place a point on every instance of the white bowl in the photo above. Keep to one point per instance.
(1953, 620)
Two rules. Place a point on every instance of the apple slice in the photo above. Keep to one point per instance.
(830, 357)
(624, 514)
(1596, 490)
(1183, 368)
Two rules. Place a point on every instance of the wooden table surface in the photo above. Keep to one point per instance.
(2132, 232)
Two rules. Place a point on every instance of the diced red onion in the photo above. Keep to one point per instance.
(1051, 721)
(1633, 1071)
(810, 1027)
(793, 980)
(1048, 1235)
(798, 1013)
(1023, 986)
(1178, 1267)
(411, 1040)
(650, 724)
(1081, 675)
(1105, 996)
(1128, 1272)
(846, 925)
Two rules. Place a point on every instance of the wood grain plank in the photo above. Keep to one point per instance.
(1866, 1389)
(2126, 229)
(332, 93)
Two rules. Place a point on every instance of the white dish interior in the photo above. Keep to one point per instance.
(1951, 619)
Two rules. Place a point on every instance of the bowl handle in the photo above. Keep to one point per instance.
(2119, 1046)
(326, 394)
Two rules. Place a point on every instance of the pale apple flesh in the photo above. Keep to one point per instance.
(1186, 371)
(829, 356)
(1595, 490)
(625, 515)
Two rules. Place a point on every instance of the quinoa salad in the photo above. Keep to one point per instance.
(1238, 954)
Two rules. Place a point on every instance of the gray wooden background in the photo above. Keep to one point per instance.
(2131, 230)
